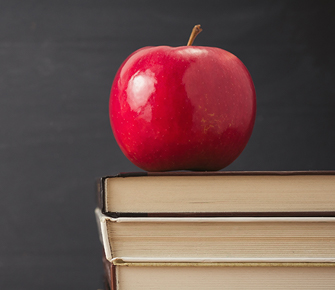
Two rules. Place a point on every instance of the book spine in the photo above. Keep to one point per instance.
(110, 273)
(100, 193)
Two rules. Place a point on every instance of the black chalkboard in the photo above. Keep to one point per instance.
(57, 63)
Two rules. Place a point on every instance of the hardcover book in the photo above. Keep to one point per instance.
(217, 276)
(298, 193)
(218, 239)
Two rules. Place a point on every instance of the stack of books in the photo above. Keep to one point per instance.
(218, 230)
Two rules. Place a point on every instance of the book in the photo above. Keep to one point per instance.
(210, 194)
(218, 239)
(215, 276)
(238, 230)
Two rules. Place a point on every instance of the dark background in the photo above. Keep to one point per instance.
(57, 63)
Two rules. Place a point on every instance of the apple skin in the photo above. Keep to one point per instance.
(182, 108)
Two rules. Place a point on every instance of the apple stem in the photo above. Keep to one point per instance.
(195, 31)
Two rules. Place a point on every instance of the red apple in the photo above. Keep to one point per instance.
(182, 108)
